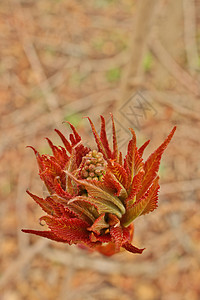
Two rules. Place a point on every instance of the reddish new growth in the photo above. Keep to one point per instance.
(94, 195)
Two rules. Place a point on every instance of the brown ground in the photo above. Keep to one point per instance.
(61, 60)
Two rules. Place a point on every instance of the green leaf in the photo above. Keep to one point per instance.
(144, 205)
(98, 193)
(84, 208)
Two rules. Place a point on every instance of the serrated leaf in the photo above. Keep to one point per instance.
(65, 141)
(49, 171)
(128, 233)
(138, 162)
(97, 192)
(133, 162)
(143, 147)
(47, 234)
(71, 230)
(151, 166)
(59, 154)
(77, 137)
(98, 140)
(111, 182)
(65, 196)
(105, 206)
(81, 151)
(144, 205)
(115, 146)
(119, 172)
(70, 167)
(117, 236)
(120, 158)
(104, 139)
(135, 187)
(84, 208)
(42, 203)
(131, 154)
(151, 197)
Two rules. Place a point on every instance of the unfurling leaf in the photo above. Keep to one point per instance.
(95, 194)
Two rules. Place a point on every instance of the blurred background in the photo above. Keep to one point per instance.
(62, 60)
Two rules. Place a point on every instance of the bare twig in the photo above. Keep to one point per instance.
(82, 105)
(49, 97)
(141, 31)
(172, 66)
(22, 260)
(180, 187)
(190, 35)
(66, 284)
(110, 266)
(175, 101)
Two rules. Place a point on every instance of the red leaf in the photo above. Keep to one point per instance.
(133, 162)
(77, 137)
(51, 170)
(128, 233)
(138, 161)
(104, 238)
(114, 185)
(72, 139)
(65, 141)
(76, 144)
(129, 247)
(119, 172)
(58, 209)
(85, 209)
(52, 207)
(98, 140)
(135, 187)
(142, 148)
(115, 147)
(59, 154)
(80, 151)
(151, 197)
(71, 166)
(117, 236)
(99, 224)
(47, 234)
(103, 137)
(151, 166)
(62, 193)
(71, 230)
(130, 157)
(39, 158)
(43, 204)
(113, 220)
(142, 206)
(120, 158)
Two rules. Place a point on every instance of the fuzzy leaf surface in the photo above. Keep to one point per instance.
(82, 206)
(144, 205)
(71, 230)
(151, 166)
(95, 191)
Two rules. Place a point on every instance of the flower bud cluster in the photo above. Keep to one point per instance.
(93, 166)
